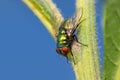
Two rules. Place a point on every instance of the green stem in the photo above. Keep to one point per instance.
(87, 67)
(47, 13)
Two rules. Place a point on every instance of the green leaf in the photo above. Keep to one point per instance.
(112, 40)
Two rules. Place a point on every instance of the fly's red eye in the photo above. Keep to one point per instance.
(65, 49)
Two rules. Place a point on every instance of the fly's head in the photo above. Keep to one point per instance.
(63, 51)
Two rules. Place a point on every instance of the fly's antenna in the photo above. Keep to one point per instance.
(77, 17)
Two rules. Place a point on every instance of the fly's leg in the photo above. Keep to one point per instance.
(75, 38)
(76, 26)
(73, 57)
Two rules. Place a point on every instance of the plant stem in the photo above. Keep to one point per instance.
(47, 13)
(87, 67)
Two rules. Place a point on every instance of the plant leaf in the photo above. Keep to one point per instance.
(112, 40)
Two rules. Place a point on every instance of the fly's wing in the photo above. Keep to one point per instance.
(76, 19)
(47, 12)
(70, 24)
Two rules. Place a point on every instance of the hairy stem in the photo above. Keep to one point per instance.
(47, 13)
(87, 67)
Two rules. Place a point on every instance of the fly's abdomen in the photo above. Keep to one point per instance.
(62, 40)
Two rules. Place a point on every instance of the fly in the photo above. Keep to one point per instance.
(66, 35)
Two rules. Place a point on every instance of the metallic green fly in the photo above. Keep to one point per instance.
(66, 35)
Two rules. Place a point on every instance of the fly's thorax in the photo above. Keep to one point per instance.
(62, 38)
(69, 28)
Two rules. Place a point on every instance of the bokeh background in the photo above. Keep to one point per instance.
(27, 50)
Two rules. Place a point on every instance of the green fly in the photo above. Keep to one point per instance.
(66, 35)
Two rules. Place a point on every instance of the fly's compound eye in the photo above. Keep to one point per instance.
(65, 49)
